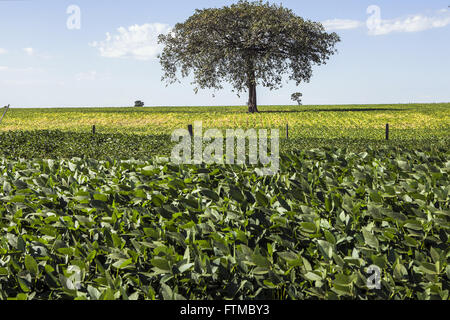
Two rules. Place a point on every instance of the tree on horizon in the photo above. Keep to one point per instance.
(245, 44)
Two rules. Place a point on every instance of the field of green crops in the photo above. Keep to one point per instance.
(86, 216)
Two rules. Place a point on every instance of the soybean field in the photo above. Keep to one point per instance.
(99, 216)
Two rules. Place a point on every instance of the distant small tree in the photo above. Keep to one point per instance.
(138, 103)
(297, 97)
(245, 44)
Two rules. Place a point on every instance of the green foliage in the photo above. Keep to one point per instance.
(133, 229)
(57, 144)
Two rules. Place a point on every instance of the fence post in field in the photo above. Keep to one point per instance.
(287, 131)
(387, 131)
(93, 129)
(6, 110)
(191, 130)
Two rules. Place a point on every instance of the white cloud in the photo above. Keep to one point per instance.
(3, 68)
(29, 51)
(341, 24)
(3, 51)
(137, 41)
(379, 26)
(411, 23)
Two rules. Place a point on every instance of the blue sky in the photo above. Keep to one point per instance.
(401, 55)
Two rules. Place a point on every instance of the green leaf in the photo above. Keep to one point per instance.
(291, 258)
(261, 199)
(269, 284)
(31, 265)
(409, 241)
(329, 237)
(161, 263)
(328, 204)
(428, 268)
(354, 261)
(18, 199)
(24, 285)
(186, 266)
(22, 296)
(326, 248)
(101, 197)
(122, 263)
(434, 255)
(342, 280)
(21, 245)
(93, 292)
(308, 227)
(312, 276)
(342, 290)
(236, 195)
(66, 251)
(400, 271)
(157, 200)
(370, 239)
(166, 292)
(260, 261)
(210, 194)
(108, 295)
(414, 225)
(91, 255)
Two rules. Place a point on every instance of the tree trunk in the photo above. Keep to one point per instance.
(251, 83)
(252, 100)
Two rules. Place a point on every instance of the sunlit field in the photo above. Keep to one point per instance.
(406, 120)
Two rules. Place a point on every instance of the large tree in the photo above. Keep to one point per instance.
(245, 44)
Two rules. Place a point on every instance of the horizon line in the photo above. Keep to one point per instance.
(226, 106)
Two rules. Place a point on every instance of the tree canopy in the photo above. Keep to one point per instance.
(245, 44)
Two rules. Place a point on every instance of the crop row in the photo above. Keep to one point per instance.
(48, 144)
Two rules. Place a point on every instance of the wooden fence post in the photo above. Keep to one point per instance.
(93, 129)
(387, 131)
(191, 130)
(6, 110)
(287, 131)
